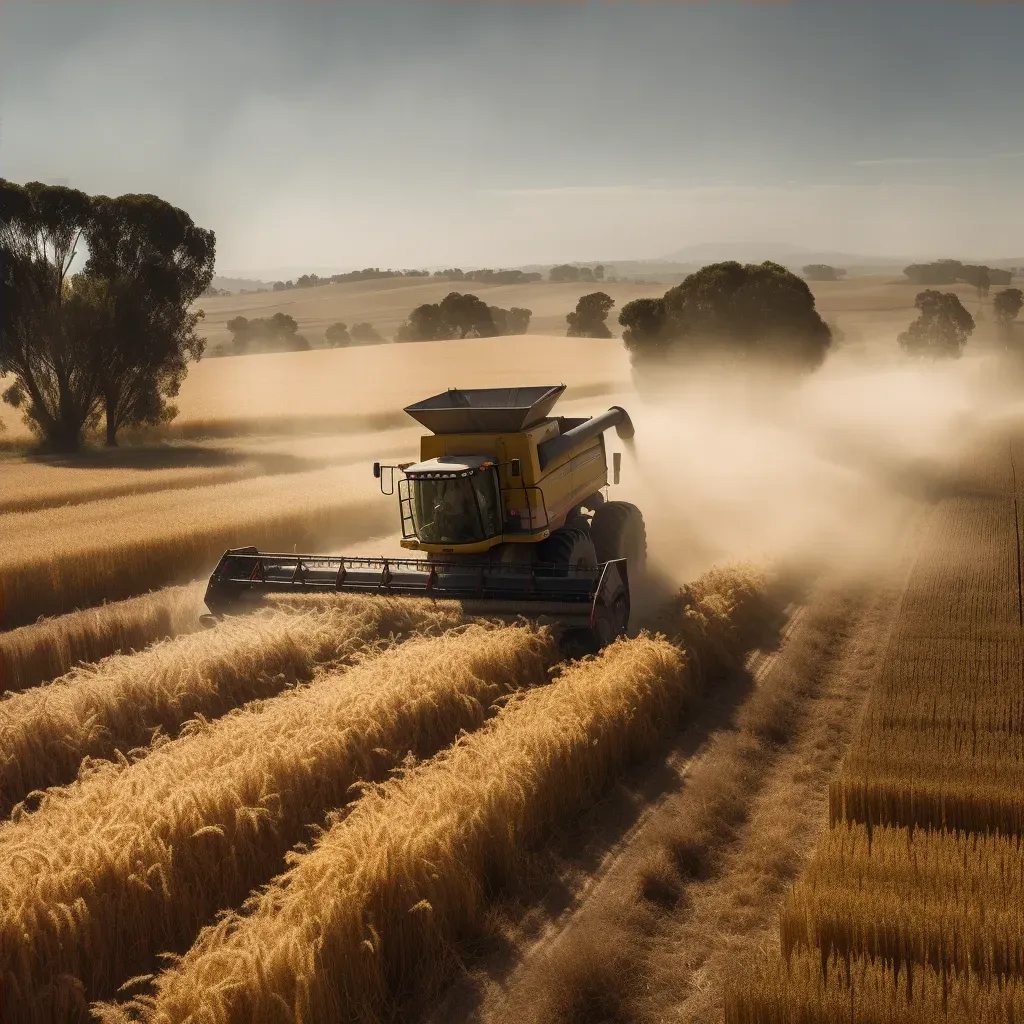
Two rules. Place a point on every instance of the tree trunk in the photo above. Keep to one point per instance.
(111, 428)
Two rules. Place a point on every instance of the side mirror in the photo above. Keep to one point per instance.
(516, 469)
(376, 471)
(616, 467)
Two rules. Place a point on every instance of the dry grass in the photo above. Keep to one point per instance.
(41, 652)
(368, 922)
(369, 917)
(29, 487)
(58, 560)
(121, 702)
(132, 859)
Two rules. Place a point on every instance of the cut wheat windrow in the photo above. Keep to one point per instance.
(58, 560)
(369, 919)
(118, 703)
(45, 650)
(131, 860)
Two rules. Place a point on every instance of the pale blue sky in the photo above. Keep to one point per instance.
(342, 134)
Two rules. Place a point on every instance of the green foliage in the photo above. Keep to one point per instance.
(462, 316)
(337, 335)
(50, 329)
(753, 312)
(941, 328)
(588, 321)
(152, 262)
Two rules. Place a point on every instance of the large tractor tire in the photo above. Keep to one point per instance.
(568, 546)
(618, 531)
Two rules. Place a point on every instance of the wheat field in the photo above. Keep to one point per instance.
(122, 702)
(133, 859)
(368, 919)
(910, 908)
(61, 559)
(45, 650)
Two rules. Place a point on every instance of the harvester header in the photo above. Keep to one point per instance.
(506, 510)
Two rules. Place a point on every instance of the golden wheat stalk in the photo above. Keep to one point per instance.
(132, 860)
(58, 560)
(118, 704)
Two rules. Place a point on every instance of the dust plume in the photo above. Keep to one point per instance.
(826, 470)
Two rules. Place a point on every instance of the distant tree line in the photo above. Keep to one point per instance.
(947, 272)
(111, 343)
(486, 276)
(567, 273)
(462, 316)
(823, 272)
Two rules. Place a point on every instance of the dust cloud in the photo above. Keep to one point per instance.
(824, 472)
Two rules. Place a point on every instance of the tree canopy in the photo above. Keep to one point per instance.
(460, 315)
(113, 340)
(337, 335)
(366, 334)
(941, 329)
(588, 320)
(822, 272)
(1007, 304)
(277, 333)
(948, 272)
(152, 262)
(753, 313)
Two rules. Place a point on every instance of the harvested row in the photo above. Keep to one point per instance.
(367, 921)
(110, 550)
(117, 704)
(132, 860)
(45, 650)
(899, 896)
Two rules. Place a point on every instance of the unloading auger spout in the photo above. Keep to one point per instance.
(505, 511)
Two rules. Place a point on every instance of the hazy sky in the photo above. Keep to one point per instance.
(332, 135)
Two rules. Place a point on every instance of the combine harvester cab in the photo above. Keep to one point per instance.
(506, 512)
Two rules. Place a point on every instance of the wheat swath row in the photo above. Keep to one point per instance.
(132, 859)
(911, 908)
(43, 487)
(45, 650)
(369, 918)
(62, 559)
(117, 704)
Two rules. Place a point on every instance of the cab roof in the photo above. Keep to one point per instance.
(450, 465)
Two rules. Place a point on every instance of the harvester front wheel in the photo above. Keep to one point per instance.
(618, 531)
(568, 547)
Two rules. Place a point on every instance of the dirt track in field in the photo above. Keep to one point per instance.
(604, 941)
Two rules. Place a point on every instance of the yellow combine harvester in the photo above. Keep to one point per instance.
(506, 509)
